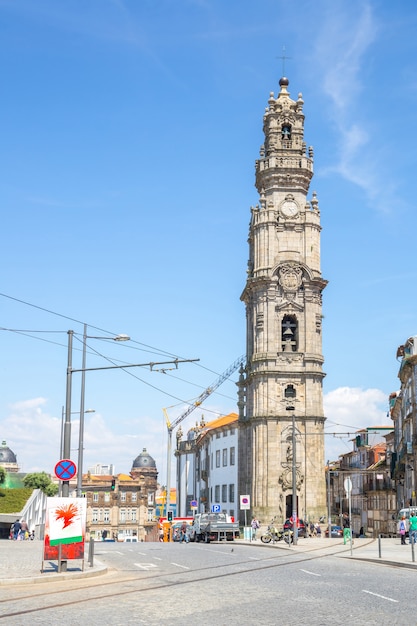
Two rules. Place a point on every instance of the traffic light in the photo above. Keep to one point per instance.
(113, 484)
(169, 516)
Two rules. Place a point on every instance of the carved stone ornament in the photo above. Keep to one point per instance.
(285, 479)
(290, 277)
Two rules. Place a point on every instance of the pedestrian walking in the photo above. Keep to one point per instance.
(16, 530)
(412, 531)
(402, 529)
(24, 529)
(255, 525)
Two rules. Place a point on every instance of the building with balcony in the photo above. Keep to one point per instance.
(373, 498)
(207, 467)
(403, 412)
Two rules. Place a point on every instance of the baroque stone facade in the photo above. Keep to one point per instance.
(282, 385)
(124, 505)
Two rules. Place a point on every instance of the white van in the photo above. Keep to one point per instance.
(407, 512)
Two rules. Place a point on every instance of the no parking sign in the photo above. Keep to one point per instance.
(244, 503)
(65, 469)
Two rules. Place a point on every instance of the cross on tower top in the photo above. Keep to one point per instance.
(284, 58)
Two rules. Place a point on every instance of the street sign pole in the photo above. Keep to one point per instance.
(348, 489)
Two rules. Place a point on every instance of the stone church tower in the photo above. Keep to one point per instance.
(281, 387)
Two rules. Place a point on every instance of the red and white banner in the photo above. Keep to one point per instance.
(65, 524)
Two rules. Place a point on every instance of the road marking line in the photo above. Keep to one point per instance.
(378, 595)
(306, 571)
(178, 565)
(157, 558)
(145, 565)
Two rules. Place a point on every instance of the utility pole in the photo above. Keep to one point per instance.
(329, 515)
(294, 484)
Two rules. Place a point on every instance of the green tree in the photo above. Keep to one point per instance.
(42, 481)
(2, 475)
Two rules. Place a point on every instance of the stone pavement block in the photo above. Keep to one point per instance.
(21, 561)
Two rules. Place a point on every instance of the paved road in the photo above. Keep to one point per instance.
(317, 582)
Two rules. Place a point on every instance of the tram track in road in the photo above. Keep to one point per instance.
(98, 589)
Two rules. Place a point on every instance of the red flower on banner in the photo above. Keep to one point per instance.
(66, 512)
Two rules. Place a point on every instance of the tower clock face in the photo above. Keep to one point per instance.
(289, 208)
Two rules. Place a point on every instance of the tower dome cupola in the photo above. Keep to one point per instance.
(6, 455)
(144, 459)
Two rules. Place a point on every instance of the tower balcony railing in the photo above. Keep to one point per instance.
(284, 162)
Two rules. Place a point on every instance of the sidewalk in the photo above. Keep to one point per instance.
(383, 552)
(21, 562)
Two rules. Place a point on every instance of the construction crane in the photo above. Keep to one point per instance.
(172, 425)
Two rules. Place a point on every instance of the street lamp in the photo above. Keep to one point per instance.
(294, 478)
(61, 450)
(82, 412)
(70, 370)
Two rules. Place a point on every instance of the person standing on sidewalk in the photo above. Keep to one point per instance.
(255, 526)
(402, 529)
(412, 531)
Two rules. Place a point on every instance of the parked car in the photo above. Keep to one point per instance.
(130, 540)
(288, 525)
(336, 531)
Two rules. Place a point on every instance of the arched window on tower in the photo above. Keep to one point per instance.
(290, 391)
(286, 132)
(289, 333)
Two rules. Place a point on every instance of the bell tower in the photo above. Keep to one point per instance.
(281, 420)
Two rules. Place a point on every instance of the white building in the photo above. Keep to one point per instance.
(100, 469)
(207, 468)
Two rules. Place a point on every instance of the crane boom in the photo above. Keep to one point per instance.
(206, 393)
(170, 426)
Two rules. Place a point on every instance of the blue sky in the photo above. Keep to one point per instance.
(129, 135)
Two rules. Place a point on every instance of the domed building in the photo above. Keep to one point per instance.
(8, 459)
(144, 471)
(123, 506)
(144, 465)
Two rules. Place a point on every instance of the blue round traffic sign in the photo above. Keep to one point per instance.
(65, 469)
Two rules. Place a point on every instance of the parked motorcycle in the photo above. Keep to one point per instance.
(275, 534)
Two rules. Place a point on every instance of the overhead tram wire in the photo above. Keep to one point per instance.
(28, 333)
(128, 371)
(149, 348)
(72, 319)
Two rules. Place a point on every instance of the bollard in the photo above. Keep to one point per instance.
(91, 553)
(379, 546)
(59, 558)
(413, 558)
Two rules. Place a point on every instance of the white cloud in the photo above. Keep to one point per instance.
(349, 409)
(35, 434)
(32, 434)
(342, 42)
(341, 50)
